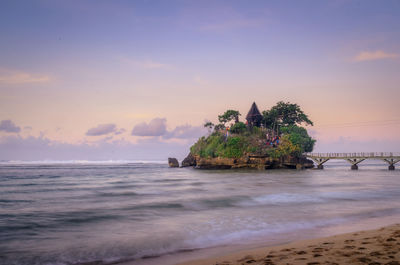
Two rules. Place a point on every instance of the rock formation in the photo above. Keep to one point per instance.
(248, 161)
(173, 162)
(189, 161)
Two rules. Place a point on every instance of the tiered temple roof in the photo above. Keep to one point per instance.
(254, 116)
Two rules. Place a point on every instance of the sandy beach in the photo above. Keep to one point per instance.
(373, 247)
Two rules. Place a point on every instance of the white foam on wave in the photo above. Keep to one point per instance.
(352, 195)
(282, 198)
(319, 197)
(231, 236)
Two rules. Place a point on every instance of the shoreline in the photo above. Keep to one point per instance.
(373, 247)
(301, 240)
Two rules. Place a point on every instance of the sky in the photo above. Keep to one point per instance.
(136, 80)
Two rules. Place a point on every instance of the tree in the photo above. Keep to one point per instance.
(270, 118)
(209, 125)
(219, 127)
(239, 127)
(285, 148)
(228, 116)
(284, 114)
(299, 137)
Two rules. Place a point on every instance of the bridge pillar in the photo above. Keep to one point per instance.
(319, 161)
(354, 162)
(354, 167)
(391, 162)
(353, 158)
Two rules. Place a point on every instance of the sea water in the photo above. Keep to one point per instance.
(79, 212)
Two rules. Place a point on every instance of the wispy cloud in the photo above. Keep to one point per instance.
(374, 55)
(102, 129)
(231, 24)
(152, 64)
(200, 80)
(219, 17)
(19, 77)
(146, 64)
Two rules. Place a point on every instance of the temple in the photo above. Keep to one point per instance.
(254, 116)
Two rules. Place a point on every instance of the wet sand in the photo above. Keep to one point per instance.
(372, 247)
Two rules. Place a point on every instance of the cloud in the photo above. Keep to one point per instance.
(9, 126)
(146, 64)
(200, 81)
(120, 131)
(221, 17)
(155, 127)
(15, 147)
(374, 55)
(186, 132)
(102, 129)
(152, 65)
(158, 127)
(18, 77)
(231, 24)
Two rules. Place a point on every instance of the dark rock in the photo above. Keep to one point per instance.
(296, 162)
(393, 263)
(246, 161)
(173, 162)
(364, 259)
(189, 161)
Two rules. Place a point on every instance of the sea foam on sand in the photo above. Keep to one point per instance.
(373, 247)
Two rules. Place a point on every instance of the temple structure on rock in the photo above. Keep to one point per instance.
(254, 116)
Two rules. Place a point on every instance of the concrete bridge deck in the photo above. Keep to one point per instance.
(354, 158)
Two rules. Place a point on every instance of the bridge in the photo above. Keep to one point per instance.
(354, 158)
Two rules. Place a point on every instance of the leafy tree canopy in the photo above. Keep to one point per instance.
(219, 127)
(285, 148)
(283, 118)
(238, 127)
(285, 114)
(228, 116)
(299, 137)
(209, 125)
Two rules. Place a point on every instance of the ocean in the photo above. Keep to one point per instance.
(76, 212)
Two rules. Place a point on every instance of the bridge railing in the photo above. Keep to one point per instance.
(352, 155)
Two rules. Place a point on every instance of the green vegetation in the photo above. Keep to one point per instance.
(298, 136)
(228, 116)
(285, 148)
(238, 128)
(209, 125)
(280, 135)
(215, 145)
(284, 114)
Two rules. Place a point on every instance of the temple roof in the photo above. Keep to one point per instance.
(254, 113)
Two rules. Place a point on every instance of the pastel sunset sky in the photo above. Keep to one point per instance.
(100, 80)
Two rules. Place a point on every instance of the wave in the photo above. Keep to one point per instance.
(119, 194)
(22, 222)
(320, 197)
(279, 198)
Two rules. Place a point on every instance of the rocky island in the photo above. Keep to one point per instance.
(273, 139)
